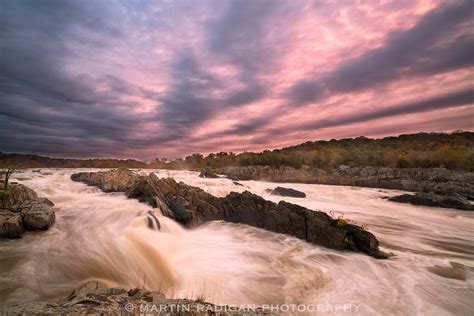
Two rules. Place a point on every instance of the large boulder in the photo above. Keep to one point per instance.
(11, 225)
(192, 206)
(286, 192)
(22, 210)
(16, 194)
(436, 200)
(39, 217)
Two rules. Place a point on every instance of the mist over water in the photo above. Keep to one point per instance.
(104, 236)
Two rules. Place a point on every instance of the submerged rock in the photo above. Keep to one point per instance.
(192, 206)
(286, 192)
(436, 200)
(208, 174)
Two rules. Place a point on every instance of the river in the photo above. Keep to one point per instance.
(103, 236)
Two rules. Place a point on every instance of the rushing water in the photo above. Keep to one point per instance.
(103, 236)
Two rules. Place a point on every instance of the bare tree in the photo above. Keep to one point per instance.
(7, 172)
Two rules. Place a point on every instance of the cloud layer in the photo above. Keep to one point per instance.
(147, 79)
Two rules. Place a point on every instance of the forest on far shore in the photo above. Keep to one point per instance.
(422, 150)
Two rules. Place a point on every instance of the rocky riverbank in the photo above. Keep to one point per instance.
(22, 210)
(438, 180)
(96, 298)
(192, 206)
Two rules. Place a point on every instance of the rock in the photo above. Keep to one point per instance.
(180, 208)
(439, 180)
(108, 181)
(95, 298)
(192, 206)
(21, 210)
(452, 188)
(286, 192)
(38, 220)
(91, 287)
(237, 183)
(15, 194)
(436, 200)
(11, 225)
(208, 174)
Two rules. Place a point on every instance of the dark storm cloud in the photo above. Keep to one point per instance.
(109, 78)
(239, 34)
(235, 38)
(437, 43)
(43, 107)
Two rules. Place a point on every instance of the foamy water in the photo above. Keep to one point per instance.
(103, 236)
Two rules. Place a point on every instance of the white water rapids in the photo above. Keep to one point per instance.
(103, 236)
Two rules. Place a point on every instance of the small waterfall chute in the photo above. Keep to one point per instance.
(152, 221)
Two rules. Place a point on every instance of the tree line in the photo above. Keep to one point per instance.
(423, 150)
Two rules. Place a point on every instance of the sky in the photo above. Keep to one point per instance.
(145, 79)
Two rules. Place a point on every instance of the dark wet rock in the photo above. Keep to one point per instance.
(208, 174)
(108, 181)
(438, 180)
(16, 194)
(286, 192)
(21, 209)
(237, 183)
(142, 190)
(192, 206)
(95, 298)
(11, 225)
(436, 200)
(40, 219)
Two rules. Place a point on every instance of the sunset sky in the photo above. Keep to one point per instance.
(144, 79)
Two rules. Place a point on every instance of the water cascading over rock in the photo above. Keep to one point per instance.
(191, 206)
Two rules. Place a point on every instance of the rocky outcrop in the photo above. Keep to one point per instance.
(438, 180)
(22, 210)
(11, 225)
(15, 195)
(95, 298)
(108, 181)
(192, 206)
(436, 200)
(208, 174)
(286, 192)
